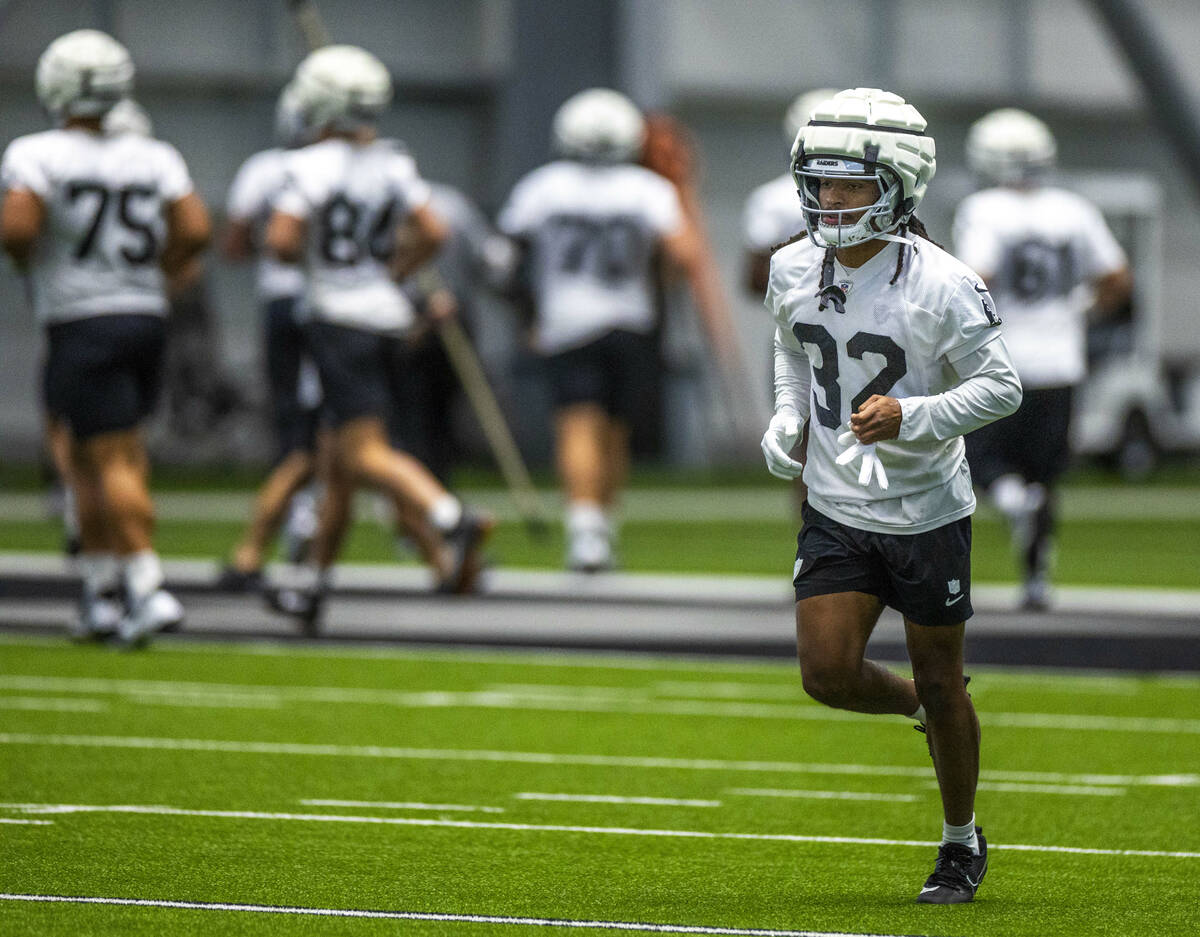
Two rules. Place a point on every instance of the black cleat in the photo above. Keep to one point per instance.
(466, 545)
(301, 604)
(956, 875)
(233, 579)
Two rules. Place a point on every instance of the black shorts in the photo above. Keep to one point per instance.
(354, 367)
(285, 347)
(1034, 442)
(926, 577)
(615, 371)
(104, 373)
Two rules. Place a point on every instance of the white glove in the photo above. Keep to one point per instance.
(870, 459)
(777, 443)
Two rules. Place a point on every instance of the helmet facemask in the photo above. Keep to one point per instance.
(853, 225)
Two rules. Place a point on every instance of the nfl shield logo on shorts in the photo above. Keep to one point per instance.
(952, 586)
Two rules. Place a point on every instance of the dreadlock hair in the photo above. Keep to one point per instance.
(913, 226)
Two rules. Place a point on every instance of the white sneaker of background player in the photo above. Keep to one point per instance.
(156, 611)
(590, 550)
(98, 616)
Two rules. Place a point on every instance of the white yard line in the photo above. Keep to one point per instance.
(51, 704)
(822, 795)
(610, 700)
(18, 822)
(432, 916)
(399, 805)
(310, 749)
(160, 810)
(1069, 790)
(614, 799)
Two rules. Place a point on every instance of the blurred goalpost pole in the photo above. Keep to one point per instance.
(462, 356)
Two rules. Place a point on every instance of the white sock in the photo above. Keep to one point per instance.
(446, 512)
(143, 573)
(963, 835)
(919, 715)
(1008, 492)
(585, 517)
(101, 572)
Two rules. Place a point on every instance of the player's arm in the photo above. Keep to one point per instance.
(1113, 290)
(418, 241)
(793, 379)
(285, 236)
(988, 389)
(188, 233)
(21, 221)
(237, 240)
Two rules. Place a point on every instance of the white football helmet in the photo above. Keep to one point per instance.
(127, 116)
(869, 134)
(290, 129)
(599, 125)
(341, 87)
(1010, 146)
(801, 109)
(83, 74)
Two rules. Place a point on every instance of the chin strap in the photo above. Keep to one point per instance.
(830, 292)
(898, 238)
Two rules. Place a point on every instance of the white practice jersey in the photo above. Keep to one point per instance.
(593, 232)
(1040, 250)
(251, 200)
(907, 340)
(105, 226)
(772, 215)
(353, 197)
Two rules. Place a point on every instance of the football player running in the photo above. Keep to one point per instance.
(1049, 258)
(356, 213)
(591, 225)
(99, 222)
(295, 388)
(888, 348)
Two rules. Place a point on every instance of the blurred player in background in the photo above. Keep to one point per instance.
(100, 222)
(356, 213)
(591, 225)
(868, 305)
(291, 375)
(1049, 258)
(773, 216)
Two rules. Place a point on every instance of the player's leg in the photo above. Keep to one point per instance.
(581, 438)
(270, 508)
(1045, 463)
(840, 592)
(953, 732)
(832, 632)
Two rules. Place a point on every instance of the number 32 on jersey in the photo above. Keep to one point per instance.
(895, 367)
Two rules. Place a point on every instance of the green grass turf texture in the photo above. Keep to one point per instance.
(540, 702)
(1120, 552)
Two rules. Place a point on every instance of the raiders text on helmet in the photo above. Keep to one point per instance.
(341, 87)
(864, 133)
(1010, 146)
(83, 74)
(599, 125)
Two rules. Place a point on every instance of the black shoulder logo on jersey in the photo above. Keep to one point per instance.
(988, 309)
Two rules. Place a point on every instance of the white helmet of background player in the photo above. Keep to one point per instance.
(127, 116)
(341, 88)
(599, 125)
(290, 129)
(1010, 146)
(83, 74)
(800, 110)
(863, 133)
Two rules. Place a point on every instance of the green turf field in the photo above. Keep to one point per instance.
(568, 787)
(1109, 536)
